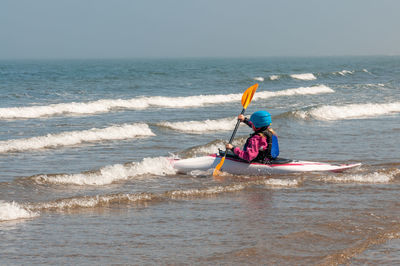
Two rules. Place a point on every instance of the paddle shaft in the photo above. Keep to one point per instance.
(236, 128)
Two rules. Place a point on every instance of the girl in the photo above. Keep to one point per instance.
(262, 145)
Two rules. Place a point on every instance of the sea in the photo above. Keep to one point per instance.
(86, 149)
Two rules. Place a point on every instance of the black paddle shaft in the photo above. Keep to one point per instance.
(236, 127)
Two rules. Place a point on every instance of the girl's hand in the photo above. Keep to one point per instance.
(241, 118)
(228, 146)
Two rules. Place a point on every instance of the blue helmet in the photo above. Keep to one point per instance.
(261, 119)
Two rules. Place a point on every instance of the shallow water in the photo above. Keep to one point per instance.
(85, 176)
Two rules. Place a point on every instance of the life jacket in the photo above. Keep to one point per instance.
(272, 151)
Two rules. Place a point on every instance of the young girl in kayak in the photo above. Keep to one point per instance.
(262, 145)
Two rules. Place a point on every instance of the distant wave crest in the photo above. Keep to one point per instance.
(201, 126)
(304, 76)
(318, 89)
(344, 72)
(107, 105)
(350, 111)
(274, 77)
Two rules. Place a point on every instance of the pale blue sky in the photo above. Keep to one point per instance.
(197, 28)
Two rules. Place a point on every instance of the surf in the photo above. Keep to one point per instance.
(139, 103)
(147, 168)
(304, 76)
(13, 211)
(69, 138)
(199, 127)
(349, 111)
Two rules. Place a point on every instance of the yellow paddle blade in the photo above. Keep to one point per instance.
(218, 167)
(248, 95)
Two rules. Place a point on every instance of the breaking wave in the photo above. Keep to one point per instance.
(261, 79)
(372, 178)
(351, 111)
(126, 131)
(274, 77)
(211, 147)
(104, 200)
(319, 89)
(107, 105)
(13, 211)
(344, 72)
(112, 173)
(126, 198)
(198, 127)
(305, 76)
(281, 183)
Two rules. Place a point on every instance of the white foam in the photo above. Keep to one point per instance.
(92, 201)
(109, 174)
(209, 148)
(374, 178)
(274, 77)
(206, 191)
(93, 107)
(351, 111)
(201, 126)
(375, 85)
(281, 183)
(101, 200)
(305, 76)
(319, 89)
(345, 72)
(261, 79)
(107, 105)
(126, 131)
(213, 147)
(13, 211)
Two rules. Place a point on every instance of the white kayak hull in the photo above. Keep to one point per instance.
(234, 166)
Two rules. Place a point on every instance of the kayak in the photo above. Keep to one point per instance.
(239, 167)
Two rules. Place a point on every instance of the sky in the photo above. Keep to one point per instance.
(54, 29)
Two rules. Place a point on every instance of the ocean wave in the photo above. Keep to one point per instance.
(111, 173)
(261, 79)
(107, 105)
(351, 111)
(344, 72)
(126, 131)
(304, 76)
(274, 77)
(198, 127)
(366, 71)
(14, 211)
(378, 177)
(318, 89)
(281, 183)
(126, 198)
(205, 191)
(210, 148)
(90, 201)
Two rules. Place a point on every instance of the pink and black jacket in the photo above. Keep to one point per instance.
(258, 146)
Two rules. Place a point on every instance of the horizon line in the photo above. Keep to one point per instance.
(188, 57)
